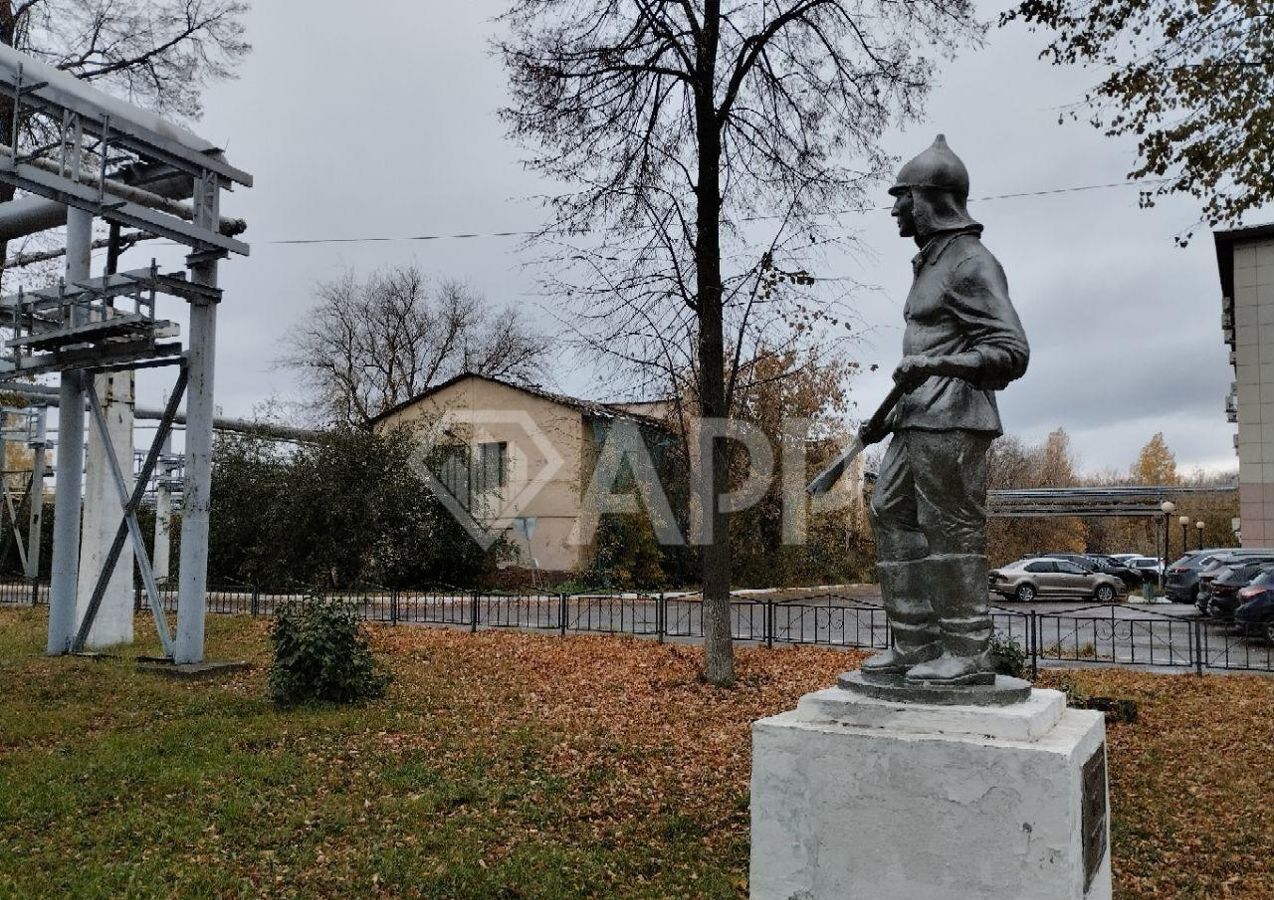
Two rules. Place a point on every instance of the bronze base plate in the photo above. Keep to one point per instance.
(1004, 691)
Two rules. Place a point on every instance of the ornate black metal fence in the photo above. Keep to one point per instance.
(1111, 634)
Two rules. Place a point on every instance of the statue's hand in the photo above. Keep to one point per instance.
(913, 370)
(869, 435)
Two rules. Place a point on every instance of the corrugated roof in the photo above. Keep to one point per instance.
(588, 407)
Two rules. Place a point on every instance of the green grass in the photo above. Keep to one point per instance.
(118, 784)
(503, 765)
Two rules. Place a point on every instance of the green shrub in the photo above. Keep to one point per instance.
(1007, 656)
(321, 654)
(626, 554)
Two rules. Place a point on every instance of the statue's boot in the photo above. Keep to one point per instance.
(964, 619)
(911, 618)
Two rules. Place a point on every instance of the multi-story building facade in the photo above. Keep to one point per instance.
(1245, 260)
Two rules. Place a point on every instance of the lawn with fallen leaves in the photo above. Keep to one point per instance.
(506, 765)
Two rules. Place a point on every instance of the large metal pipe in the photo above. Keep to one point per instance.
(241, 426)
(70, 460)
(28, 215)
(49, 397)
(31, 215)
(27, 259)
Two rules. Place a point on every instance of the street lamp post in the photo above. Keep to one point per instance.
(1199, 527)
(1168, 508)
(1185, 523)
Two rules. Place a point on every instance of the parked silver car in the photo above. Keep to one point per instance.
(1027, 579)
(1148, 566)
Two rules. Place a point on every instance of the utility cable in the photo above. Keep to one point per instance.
(859, 211)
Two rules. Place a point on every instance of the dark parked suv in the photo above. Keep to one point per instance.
(1255, 615)
(1182, 579)
(1218, 566)
(1223, 598)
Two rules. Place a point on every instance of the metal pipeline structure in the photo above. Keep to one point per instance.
(130, 169)
(40, 395)
(1103, 502)
(26, 215)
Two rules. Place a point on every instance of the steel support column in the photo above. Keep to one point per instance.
(70, 460)
(193, 567)
(36, 526)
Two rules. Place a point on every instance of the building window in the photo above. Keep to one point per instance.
(452, 466)
(491, 472)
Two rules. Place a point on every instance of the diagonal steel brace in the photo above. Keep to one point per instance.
(129, 527)
(13, 517)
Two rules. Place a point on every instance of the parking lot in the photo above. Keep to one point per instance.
(1132, 632)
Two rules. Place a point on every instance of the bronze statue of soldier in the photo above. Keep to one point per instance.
(963, 342)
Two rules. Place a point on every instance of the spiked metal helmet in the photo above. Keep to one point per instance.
(937, 168)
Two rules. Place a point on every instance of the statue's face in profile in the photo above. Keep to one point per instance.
(905, 212)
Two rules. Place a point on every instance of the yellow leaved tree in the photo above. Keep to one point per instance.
(1156, 464)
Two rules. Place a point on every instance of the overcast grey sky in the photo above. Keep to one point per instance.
(381, 123)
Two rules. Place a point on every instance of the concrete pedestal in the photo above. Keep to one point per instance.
(102, 515)
(856, 797)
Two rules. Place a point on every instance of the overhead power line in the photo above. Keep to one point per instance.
(501, 234)
(415, 237)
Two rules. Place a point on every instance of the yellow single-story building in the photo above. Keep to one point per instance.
(516, 460)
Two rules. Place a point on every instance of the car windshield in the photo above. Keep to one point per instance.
(1265, 578)
(1240, 573)
(1253, 564)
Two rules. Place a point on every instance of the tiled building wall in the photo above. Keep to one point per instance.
(1254, 371)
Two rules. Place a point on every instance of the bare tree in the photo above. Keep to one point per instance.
(158, 54)
(684, 122)
(370, 345)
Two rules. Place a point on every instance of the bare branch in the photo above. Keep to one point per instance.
(370, 345)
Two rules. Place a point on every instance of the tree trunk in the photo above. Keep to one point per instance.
(717, 646)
